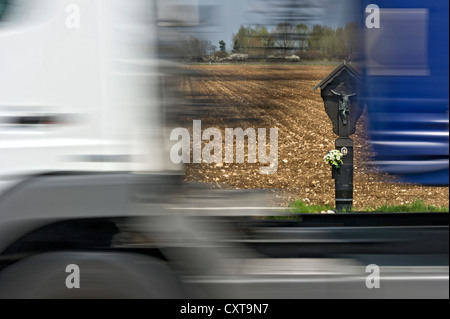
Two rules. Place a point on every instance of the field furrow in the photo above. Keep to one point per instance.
(266, 96)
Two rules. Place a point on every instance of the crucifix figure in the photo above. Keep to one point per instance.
(344, 103)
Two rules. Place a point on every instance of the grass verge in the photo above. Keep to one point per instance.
(417, 206)
(300, 206)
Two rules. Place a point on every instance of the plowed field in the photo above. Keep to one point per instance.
(263, 96)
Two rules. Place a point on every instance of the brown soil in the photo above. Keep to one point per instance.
(255, 96)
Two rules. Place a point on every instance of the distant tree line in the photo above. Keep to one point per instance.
(316, 43)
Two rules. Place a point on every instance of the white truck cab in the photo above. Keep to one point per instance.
(79, 88)
(81, 110)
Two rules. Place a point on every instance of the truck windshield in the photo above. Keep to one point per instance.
(4, 6)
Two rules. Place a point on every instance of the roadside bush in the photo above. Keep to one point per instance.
(236, 57)
(293, 58)
(220, 55)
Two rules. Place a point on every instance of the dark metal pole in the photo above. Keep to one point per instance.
(344, 176)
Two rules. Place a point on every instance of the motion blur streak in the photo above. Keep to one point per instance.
(406, 89)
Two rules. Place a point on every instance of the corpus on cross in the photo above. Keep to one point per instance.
(343, 104)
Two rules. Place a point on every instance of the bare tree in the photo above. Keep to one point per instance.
(284, 36)
(196, 49)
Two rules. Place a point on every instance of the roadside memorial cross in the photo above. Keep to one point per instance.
(340, 93)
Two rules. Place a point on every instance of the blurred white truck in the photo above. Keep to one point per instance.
(81, 114)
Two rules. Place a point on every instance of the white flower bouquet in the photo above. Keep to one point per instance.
(334, 158)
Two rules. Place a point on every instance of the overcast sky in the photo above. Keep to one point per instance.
(224, 17)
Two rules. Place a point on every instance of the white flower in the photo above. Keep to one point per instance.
(334, 158)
